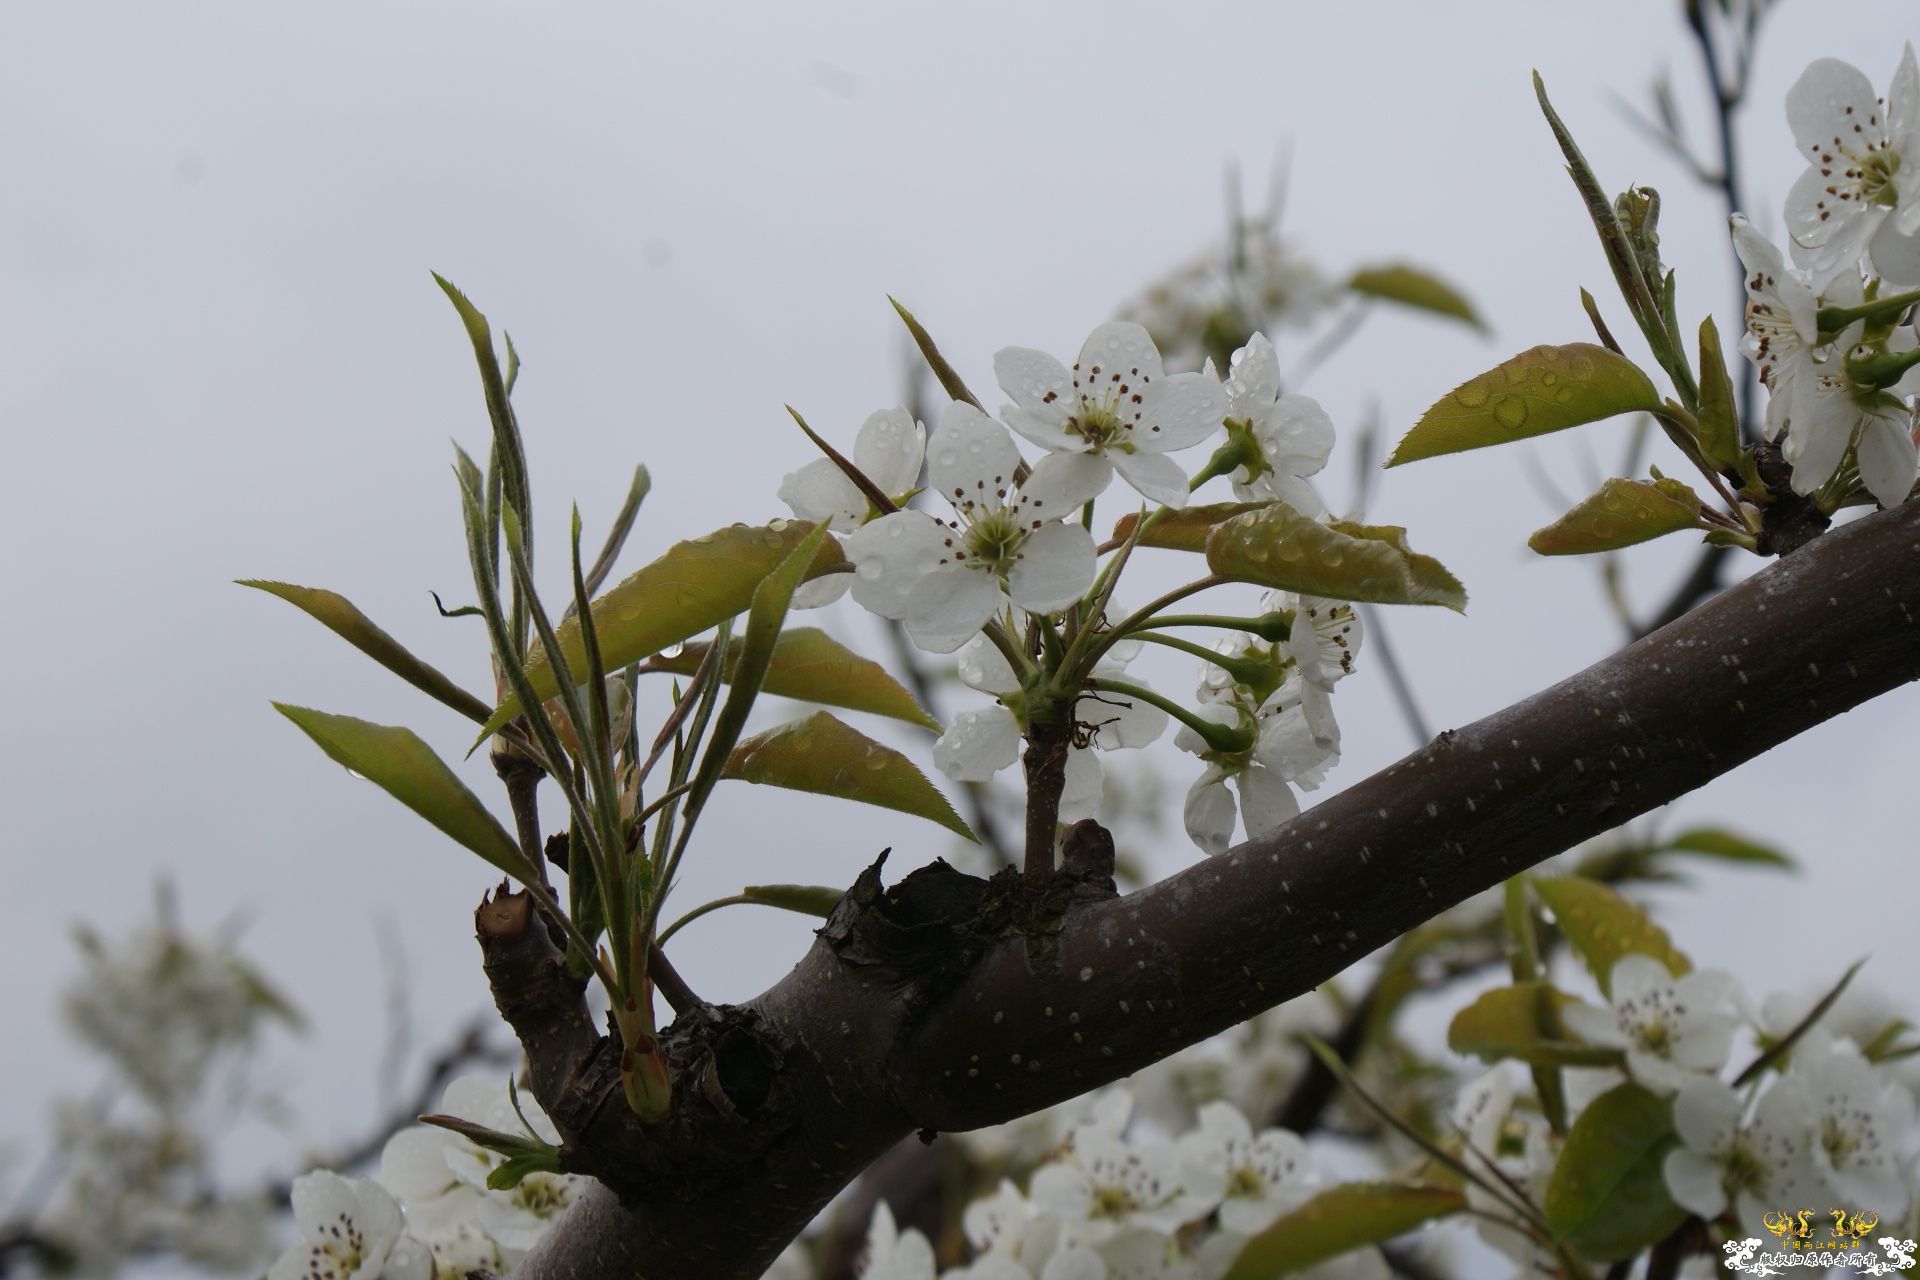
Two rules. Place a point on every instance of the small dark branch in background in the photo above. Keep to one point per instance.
(670, 983)
(1314, 1091)
(1702, 582)
(1407, 1264)
(979, 801)
(1403, 694)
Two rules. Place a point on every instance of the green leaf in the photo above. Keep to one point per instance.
(1412, 287)
(338, 614)
(1522, 1022)
(1719, 414)
(830, 758)
(1186, 529)
(807, 899)
(1340, 1220)
(399, 763)
(506, 431)
(811, 665)
(1538, 391)
(765, 616)
(1602, 926)
(1718, 842)
(692, 588)
(1276, 546)
(1620, 514)
(1607, 1196)
(949, 378)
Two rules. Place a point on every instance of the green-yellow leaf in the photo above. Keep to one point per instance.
(1538, 391)
(1340, 1220)
(1522, 1022)
(830, 758)
(398, 762)
(807, 899)
(1186, 529)
(811, 665)
(1412, 287)
(338, 614)
(690, 589)
(1719, 415)
(1717, 842)
(1276, 546)
(1620, 514)
(1602, 926)
(1607, 1196)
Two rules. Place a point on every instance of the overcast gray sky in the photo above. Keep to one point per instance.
(224, 358)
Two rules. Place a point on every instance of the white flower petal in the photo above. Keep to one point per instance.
(1706, 1114)
(978, 744)
(1061, 483)
(821, 491)
(1888, 465)
(1080, 797)
(1118, 346)
(1187, 408)
(1055, 566)
(889, 450)
(1266, 801)
(1296, 435)
(1209, 811)
(892, 556)
(1037, 382)
(1819, 429)
(1120, 721)
(1155, 475)
(948, 607)
(971, 458)
(984, 667)
(1696, 1182)
(1253, 378)
(1896, 256)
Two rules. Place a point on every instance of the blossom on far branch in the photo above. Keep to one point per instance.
(946, 580)
(1117, 402)
(349, 1229)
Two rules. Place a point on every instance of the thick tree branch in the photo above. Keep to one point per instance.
(931, 1006)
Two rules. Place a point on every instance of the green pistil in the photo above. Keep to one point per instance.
(1099, 425)
(994, 540)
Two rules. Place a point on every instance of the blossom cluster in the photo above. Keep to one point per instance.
(430, 1214)
(1840, 371)
(1110, 1202)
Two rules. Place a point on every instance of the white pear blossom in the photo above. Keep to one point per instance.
(349, 1230)
(1782, 332)
(515, 1218)
(1295, 739)
(1292, 432)
(945, 580)
(981, 741)
(893, 1254)
(1863, 164)
(1725, 1160)
(1672, 1029)
(1261, 1176)
(1117, 402)
(888, 450)
(1862, 1124)
(1516, 1150)
(1104, 1185)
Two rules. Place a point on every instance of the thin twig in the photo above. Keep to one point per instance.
(667, 980)
(1397, 681)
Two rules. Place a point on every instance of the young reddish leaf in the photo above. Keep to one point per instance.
(1619, 514)
(1186, 529)
(811, 665)
(1522, 1022)
(1276, 546)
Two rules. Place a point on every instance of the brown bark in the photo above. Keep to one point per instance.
(942, 1004)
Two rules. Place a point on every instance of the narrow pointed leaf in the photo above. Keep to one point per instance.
(338, 615)
(690, 589)
(1278, 547)
(1522, 1022)
(398, 762)
(949, 378)
(1777, 1052)
(1539, 391)
(1412, 287)
(1602, 926)
(811, 665)
(1717, 842)
(1186, 529)
(807, 899)
(1607, 1196)
(506, 432)
(1620, 514)
(830, 758)
(1340, 1220)
(1719, 414)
